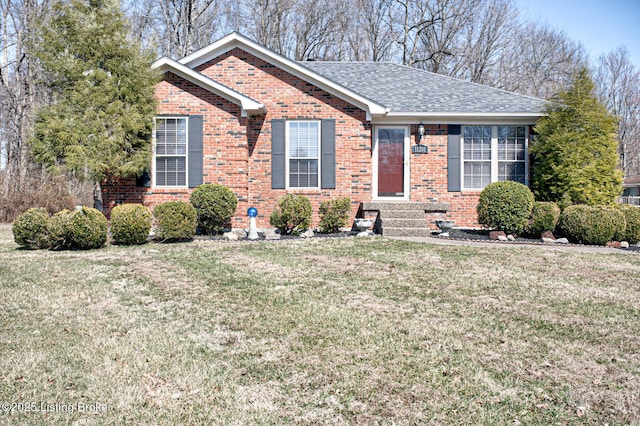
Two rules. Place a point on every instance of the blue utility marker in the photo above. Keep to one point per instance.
(252, 212)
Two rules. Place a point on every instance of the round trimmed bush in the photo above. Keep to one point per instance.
(58, 231)
(334, 215)
(544, 217)
(30, 228)
(292, 215)
(87, 228)
(130, 224)
(175, 221)
(595, 225)
(632, 218)
(215, 206)
(505, 206)
(620, 222)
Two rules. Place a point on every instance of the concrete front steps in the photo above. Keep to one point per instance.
(403, 219)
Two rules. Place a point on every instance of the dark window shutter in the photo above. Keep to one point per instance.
(454, 161)
(328, 149)
(144, 180)
(278, 157)
(195, 150)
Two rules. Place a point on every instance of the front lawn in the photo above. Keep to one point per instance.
(356, 331)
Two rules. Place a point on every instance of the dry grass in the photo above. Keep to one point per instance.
(367, 331)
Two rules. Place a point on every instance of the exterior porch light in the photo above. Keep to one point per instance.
(420, 132)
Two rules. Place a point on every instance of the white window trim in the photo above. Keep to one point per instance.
(286, 147)
(407, 164)
(494, 153)
(186, 155)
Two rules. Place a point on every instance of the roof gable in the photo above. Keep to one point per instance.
(249, 106)
(385, 91)
(235, 40)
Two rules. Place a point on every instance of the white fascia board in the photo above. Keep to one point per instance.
(234, 40)
(248, 105)
(467, 114)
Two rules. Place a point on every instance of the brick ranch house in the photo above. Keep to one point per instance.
(407, 146)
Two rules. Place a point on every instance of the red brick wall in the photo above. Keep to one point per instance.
(224, 147)
(237, 151)
(286, 96)
(429, 179)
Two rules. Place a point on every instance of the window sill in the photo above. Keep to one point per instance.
(161, 189)
(304, 191)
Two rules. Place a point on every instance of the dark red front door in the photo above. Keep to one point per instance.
(390, 162)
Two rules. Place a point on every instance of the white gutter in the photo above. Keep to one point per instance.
(465, 114)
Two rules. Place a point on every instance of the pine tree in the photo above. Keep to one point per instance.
(101, 122)
(576, 150)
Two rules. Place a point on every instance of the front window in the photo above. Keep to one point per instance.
(493, 153)
(477, 156)
(171, 151)
(303, 147)
(511, 153)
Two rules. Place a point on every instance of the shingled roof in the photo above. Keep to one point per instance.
(404, 89)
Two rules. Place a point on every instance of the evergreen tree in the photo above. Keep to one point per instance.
(576, 150)
(101, 122)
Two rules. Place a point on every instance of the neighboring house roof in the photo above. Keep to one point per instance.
(632, 181)
(384, 91)
(249, 106)
(406, 91)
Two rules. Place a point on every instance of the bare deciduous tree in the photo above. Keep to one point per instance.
(618, 85)
(265, 21)
(187, 24)
(541, 62)
(20, 91)
(410, 17)
(316, 28)
(440, 36)
(486, 41)
(372, 36)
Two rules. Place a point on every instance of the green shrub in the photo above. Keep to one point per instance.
(292, 215)
(87, 228)
(591, 224)
(544, 217)
(215, 206)
(130, 224)
(620, 222)
(59, 232)
(632, 218)
(334, 215)
(505, 206)
(175, 221)
(30, 228)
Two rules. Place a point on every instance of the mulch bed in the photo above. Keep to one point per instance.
(454, 234)
(483, 235)
(220, 237)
